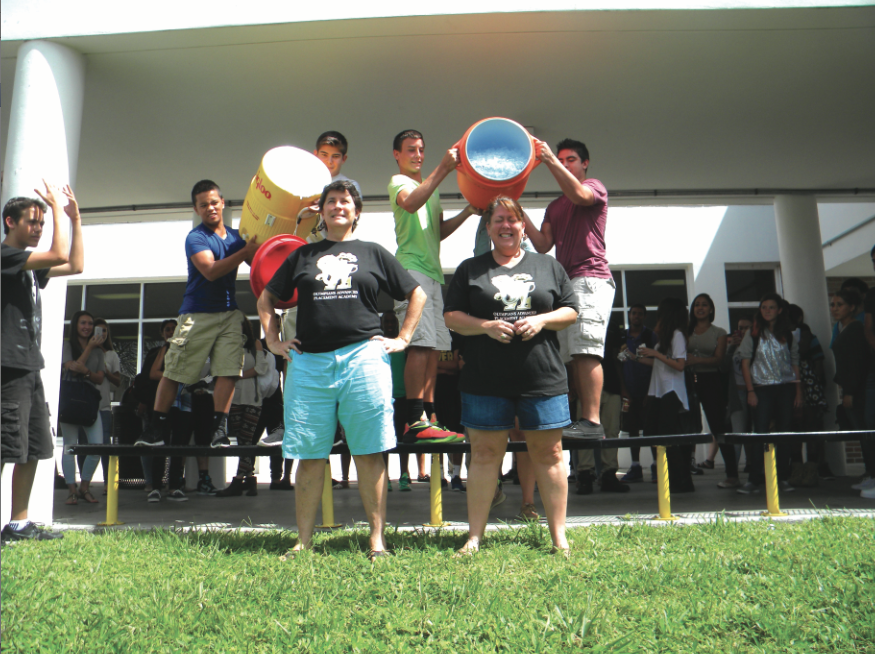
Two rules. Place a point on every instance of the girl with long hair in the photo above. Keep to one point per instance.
(82, 360)
(706, 348)
(111, 377)
(667, 397)
(770, 367)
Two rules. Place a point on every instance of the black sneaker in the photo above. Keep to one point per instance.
(584, 483)
(610, 483)
(273, 438)
(205, 486)
(220, 437)
(584, 430)
(29, 532)
(152, 436)
(177, 496)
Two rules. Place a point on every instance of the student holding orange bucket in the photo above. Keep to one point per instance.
(576, 223)
(419, 229)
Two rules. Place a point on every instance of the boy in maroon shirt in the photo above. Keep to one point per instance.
(575, 224)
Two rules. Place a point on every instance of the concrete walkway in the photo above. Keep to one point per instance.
(276, 509)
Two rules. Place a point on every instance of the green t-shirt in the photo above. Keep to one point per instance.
(418, 235)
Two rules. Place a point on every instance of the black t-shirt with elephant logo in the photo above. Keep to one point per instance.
(338, 283)
(534, 286)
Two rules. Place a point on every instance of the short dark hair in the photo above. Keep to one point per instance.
(169, 321)
(341, 185)
(796, 313)
(334, 139)
(577, 146)
(503, 201)
(17, 207)
(638, 306)
(856, 282)
(204, 186)
(402, 136)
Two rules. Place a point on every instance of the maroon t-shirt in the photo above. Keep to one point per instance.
(579, 233)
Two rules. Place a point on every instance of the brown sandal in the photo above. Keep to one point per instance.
(88, 497)
(72, 499)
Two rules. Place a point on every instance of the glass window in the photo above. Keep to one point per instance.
(74, 301)
(124, 342)
(650, 287)
(749, 285)
(618, 294)
(246, 299)
(162, 300)
(113, 301)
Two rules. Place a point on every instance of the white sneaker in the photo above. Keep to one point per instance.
(868, 493)
(154, 496)
(866, 484)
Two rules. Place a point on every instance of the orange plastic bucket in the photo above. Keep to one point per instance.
(497, 155)
(267, 260)
(288, 180)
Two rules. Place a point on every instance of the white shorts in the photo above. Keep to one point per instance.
(431, 331)
(587, 336)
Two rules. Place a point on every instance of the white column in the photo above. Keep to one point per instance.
(804, 276)
(43, 142)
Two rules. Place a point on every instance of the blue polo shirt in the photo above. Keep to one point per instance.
(202, 295)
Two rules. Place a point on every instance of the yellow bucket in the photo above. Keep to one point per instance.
(288, 180)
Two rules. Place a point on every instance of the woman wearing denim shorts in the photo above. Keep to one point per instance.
(509, 304)
(339, 359)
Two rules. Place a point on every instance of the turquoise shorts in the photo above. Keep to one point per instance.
(352, 385)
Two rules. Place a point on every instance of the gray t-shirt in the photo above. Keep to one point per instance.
(94, 363)
(705, 345)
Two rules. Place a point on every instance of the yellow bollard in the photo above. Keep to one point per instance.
(437, 507)
(771, 483)
(663, 494)
(328, 501)
(112, 495)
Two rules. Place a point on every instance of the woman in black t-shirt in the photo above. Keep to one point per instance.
(509, 304)
(339, 359)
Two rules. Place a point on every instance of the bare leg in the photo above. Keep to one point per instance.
(166, 394)
(712, 449)
(487, 450)
(430, 377)
(308, 492)
(22, 483)
(420, 464)
(415, 371)
(545, 449)
(372, 487)
(222, 394)
(588, 381)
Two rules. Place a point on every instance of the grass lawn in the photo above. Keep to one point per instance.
(722, 587)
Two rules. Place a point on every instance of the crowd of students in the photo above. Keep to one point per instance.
(530, 341)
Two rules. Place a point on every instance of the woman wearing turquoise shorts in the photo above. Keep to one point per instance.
(339, 359)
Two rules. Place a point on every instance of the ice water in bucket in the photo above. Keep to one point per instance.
(288, 180)
(497, 155)
(499, 149)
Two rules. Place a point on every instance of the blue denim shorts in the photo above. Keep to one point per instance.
(491, 413)
(353, 385)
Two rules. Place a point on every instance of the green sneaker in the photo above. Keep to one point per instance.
(404, 483)
(423, 431)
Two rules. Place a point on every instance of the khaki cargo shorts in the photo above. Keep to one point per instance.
(595, 297)
(198, 336)
(432, 330)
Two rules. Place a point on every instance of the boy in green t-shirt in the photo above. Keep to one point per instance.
(419, 229)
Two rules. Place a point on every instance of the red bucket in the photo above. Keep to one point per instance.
(497, 155)
(267, 260)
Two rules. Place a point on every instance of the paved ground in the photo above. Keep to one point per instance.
(272, 509)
